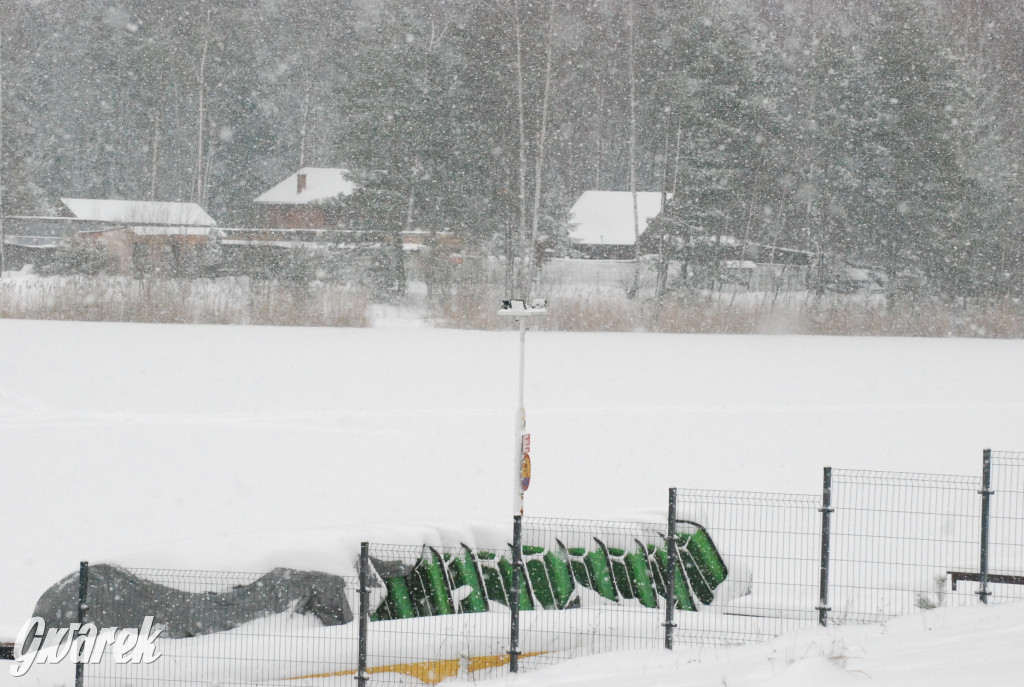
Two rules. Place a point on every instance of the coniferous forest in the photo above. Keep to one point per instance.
(876, 133)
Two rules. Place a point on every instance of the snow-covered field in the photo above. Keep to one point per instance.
(944, 648)
(243, 448)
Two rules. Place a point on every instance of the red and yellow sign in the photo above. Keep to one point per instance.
(524, 471)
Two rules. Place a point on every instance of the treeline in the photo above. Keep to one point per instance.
(878, 133)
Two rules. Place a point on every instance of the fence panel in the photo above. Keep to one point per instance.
(1006, 528)
(437, 612)
(206, 639)
(593, 586)
(897, 539)
(770, 543)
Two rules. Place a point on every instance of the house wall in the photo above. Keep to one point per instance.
(168, 255)
(757, 277)
(591, 251)
(298, 217)
(776, 277)
(118, 245)
(16, 257)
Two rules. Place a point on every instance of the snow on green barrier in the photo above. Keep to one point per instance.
(468, 582)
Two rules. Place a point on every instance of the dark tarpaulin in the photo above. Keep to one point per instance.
(119, 598)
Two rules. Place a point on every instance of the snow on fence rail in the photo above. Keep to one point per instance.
(742, 567)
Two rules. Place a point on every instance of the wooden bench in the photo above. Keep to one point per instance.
(958, 576)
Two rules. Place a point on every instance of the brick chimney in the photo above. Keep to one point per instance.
(301, 182)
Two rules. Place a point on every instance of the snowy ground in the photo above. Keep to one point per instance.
(242, 448)
(952, 647)
(944, 648)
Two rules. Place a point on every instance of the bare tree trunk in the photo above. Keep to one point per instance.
(303, 130)
(635, 289)
(207, 175)
(3, 235)
(178, 128)
(539, 167)
(409, 208)
(435, 34)
(315, 45)
(675, 172)
(600, 134)
(155, 156)
(570, 181)
(510, 257)
(400, 280)
(662, 261)
(632, 127)
(664, 173)
(522, 152)
(197, 184)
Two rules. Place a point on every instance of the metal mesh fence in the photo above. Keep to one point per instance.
(437, 612)
(897, 539)
(592, 586)
(1006, 528)
(770, 543)
(205, 642)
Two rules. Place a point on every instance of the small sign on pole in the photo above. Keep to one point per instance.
(526, 443)
(524, 472)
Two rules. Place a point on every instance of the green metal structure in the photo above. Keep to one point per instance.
(468, 582)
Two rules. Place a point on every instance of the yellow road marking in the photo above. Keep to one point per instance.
(430, 672)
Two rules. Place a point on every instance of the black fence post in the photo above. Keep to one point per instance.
(517, 582)
(83, 608)
(986, 493)
(670, 583)
(826, 544)
(364, 609)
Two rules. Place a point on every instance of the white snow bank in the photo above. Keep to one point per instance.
(941, 648)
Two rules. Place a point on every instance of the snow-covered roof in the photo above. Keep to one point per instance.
(138, 211)
(739, 264)
(172, 231)
(320, 183)
(715, 240)
(606, 217)
(273, 244)
(32, 241)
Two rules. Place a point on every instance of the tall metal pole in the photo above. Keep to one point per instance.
(826, 546)
(83, 608)
(520, 470)
(986, 493)
(670, 583)
(3, 235)
(517, 506)
(364, 609)
(513, 602)
(520, 426)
